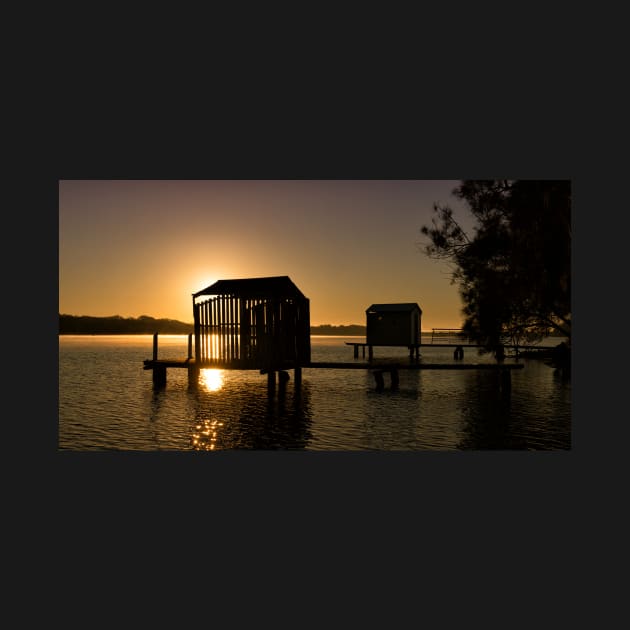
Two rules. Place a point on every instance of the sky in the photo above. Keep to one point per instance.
(143, 247)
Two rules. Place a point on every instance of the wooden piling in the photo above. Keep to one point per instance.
(283, 379)
(271, 381)
(155, 346)
(159, 376)
(378, 377)
(395, 379)
(193, 374)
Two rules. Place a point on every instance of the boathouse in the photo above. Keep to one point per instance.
(393, 324)
(252, 323)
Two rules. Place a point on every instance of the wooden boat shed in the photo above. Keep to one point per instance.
(393, 324)
(252, 323)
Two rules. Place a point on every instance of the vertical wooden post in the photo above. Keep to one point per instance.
(159, 375)
(221, 322)
(210, 322)
(370, 354)
(242, 330)
(297, 377)
(203, 331)
(197, 331)
(155, 347)
(283, 376)
(193, 375)
(231, 325)
(378, 377)
(190, 355)
(395, 379)
(226, 328)
(356, 351)
(232, 329)
(271, 381)
(214, 331)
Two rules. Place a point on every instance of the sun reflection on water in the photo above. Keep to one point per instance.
(204, 437)
(211, 379)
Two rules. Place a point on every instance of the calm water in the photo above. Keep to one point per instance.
(108, 402)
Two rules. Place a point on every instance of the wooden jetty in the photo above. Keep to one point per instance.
(414, 349)
(280, 370)
(264, 324)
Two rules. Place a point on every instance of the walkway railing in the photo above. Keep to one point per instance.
(448, 335)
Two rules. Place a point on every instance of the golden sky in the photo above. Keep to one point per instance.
(142, 247)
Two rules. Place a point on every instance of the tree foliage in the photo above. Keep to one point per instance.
(514, 270)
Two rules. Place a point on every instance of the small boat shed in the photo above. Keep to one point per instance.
(252, 323)
(393, 324)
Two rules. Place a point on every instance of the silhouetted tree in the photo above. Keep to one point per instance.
(514, 271)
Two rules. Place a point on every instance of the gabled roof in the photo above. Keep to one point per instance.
(393, 308)
(268, 287)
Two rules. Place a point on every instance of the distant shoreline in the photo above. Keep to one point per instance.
(144, 325)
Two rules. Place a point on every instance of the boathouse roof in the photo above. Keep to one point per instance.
(405, 306)
(267, 287)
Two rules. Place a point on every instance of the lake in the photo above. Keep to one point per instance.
(107, 402)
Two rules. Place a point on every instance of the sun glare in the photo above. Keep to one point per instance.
(212, 379)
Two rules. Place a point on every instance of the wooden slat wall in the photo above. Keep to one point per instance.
(252, 332)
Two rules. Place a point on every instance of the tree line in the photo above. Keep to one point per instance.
(116, 325)
(145, 325)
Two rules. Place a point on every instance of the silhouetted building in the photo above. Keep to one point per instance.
(393, 324)
(252, 323)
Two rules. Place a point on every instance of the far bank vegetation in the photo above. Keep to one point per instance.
(145, 325)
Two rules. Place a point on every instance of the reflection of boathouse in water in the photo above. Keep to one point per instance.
(252, 323)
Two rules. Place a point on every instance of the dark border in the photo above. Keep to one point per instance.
(464, 485)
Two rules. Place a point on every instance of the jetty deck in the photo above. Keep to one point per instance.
(151, 364)
(414, 349)
(377, 368)
(385, 365)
